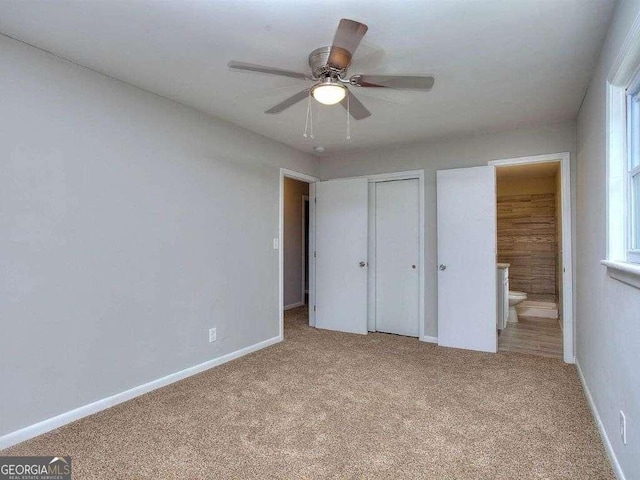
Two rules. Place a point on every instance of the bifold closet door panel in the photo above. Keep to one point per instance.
(397, 223)
(342, 255)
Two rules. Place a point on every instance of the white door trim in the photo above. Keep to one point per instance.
(305, 198)
(311, 180)
(564, 158)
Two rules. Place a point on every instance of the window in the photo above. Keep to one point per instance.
(633, 170)
(623, 162)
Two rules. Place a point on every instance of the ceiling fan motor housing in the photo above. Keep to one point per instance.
(320, 56)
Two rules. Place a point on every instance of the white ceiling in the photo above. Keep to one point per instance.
(498, 64)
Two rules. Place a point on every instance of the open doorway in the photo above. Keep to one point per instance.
(296, 244)
(534, 256)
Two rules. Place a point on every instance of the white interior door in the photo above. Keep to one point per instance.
(397, 257)
(467, 269)
(341, 255)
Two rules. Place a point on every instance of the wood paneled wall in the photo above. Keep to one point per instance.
(527, 239)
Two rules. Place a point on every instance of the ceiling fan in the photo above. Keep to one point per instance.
(329, 72)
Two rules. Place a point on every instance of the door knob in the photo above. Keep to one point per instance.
(363, 264)
(442, 266)
(413, 266)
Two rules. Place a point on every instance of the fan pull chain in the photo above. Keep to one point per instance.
(311, 114)
(306, 123)
(348, 119)
(308, 126)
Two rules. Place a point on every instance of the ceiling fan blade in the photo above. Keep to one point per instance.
(345, 42)
(289, 102)
(402, 82)
(356, 109)
(250, 67)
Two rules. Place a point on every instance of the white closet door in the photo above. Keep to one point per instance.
(397, 218)
(341, 255)
(467, 272)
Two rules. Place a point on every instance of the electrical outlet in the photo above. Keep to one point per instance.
(212, 335)
(623, 427)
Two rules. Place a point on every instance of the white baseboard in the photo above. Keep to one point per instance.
(603, 433)
(76, 414)
(427, 338)
(293, 305)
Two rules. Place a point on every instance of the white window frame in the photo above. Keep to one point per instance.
(622, 78)
(633, 171)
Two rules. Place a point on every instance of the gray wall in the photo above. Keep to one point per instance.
(130, 225)
(292, 246)
(608, 314)
(466, 151)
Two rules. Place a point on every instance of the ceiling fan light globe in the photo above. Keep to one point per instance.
(329, 94)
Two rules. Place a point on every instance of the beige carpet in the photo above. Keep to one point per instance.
(332, 405)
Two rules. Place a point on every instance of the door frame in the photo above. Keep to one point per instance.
(305, 198)
(568, 300)
(311, 180)
(371, 287)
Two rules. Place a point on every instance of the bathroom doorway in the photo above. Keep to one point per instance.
(533, 247)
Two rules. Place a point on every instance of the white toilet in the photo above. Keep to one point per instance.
(514, 299)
